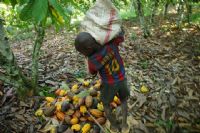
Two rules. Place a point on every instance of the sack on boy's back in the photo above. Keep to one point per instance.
(102, 21)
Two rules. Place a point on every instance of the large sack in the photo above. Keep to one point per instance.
(102, 21)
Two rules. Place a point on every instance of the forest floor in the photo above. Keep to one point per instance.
(167, 63)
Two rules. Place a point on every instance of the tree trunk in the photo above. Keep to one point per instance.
(140, 13)
(12, 74)
(189, 10)
(154, 10)
(180, 13)
(36, 53)
(166, 9)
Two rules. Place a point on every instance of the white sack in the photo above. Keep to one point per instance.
(102, 21)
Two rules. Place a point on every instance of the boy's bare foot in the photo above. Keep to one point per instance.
(125, 128)
(114, 129)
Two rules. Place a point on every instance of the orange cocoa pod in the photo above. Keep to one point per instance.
(57, 92)
(95, 112)
(60, 115)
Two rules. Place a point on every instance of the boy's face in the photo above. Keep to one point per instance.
(86, 51)
(86, 44)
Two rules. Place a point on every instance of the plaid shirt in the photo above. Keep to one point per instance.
(108, 62)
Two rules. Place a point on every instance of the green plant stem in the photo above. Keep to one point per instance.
(35, 56)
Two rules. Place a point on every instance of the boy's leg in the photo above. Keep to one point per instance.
(107, 94)
(124, 114)
(124, 93)
(111, 117)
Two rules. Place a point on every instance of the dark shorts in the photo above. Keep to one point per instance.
(109, 91)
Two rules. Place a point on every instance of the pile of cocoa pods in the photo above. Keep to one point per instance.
(79, 108)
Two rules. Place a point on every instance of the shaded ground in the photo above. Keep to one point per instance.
(168, 63)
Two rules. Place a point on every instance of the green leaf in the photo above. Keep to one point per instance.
(34, 10)
(26, 13)
(13, 3)
(64, 86)
(84, 93)
(39, 11)
(22, 2)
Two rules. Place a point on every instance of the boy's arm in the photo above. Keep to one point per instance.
(91, 68)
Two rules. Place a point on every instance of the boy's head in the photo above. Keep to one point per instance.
(86, 44)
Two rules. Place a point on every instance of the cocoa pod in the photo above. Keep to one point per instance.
(65, 106)
(95, 112)
(88, 101)
(83, 119)
(49, 111)
(101, 120)
(93, 93)
(67, 119)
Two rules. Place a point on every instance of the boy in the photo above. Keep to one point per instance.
(106, 61)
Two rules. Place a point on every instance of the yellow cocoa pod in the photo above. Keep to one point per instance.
(62, 93)
(58, 106)
(74, 120)
(97, 85)
(86, 83)
(75, 99)
(144, 89)
(75, 87)
(49, 99)
(100, 106)
(86, 128)
(53, 130)
(83, 109)
(117, 100)
(95, 112)
(39, 112)
(76, 127)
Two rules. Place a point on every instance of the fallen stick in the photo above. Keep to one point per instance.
(133, 105)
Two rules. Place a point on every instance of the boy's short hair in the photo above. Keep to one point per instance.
(86, 44)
